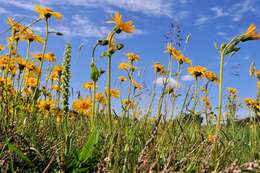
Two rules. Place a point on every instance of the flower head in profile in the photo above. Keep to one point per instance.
(197, 71)
(211, 76)
(122, 78)
(48, 56)
(128, 104)
(251, 33)
(125, 66)
(113, 92)
(159, 68)
(136, 85)
(123, 26)
(132, 56)
(88, 85)
(47, 13)
(177, 55)
(101, 98)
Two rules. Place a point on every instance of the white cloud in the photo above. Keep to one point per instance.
(148, 7)
(187, 78)
(171, 83)
(219, 12)
(3, 10)
(201, 20)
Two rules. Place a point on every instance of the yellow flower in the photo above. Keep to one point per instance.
(123, 26)
(56, 88)
(252, 104)
(132, 56)
(213, 138)
(176, 54)
(88, 85)
(206, 102)
(128, 104)
(31, 82)
(56, 73)
(4, 61)
(101, 98)
(21, 62)
(47, 13)
(251, 34)
(257, 73)
(136, 85)
(125, 66)
(48, 56)
(45, 104)
(114, 92)
(122, 78)
(232, 90)
(31, 37)
(4, 81)
(211, 76)
(82, 105)
(258, 85)
(31, 67)
(197, 71)
(1, 47)
(158, 68)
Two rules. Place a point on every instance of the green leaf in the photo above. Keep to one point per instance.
(13, 149)
(88, 148)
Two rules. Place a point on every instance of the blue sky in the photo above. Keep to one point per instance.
(207, 20)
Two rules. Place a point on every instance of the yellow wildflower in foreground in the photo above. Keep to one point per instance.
(114, 92)
(211, 76)
(257, 73)
(47, 13)
(132, 56)
(123, 26)
(251, 34)
(82, 105)
(45, 104)
(122, 78)
(158, 68)
(197, 71)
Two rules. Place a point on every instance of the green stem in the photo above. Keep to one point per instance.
(43, 53)
(195, 95)
(220, 93)
(109, 96)
(175, 91)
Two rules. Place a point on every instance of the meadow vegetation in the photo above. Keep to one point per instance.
(41, 131)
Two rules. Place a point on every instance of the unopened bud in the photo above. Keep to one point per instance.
(119, 46)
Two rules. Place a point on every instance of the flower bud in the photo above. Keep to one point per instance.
(119, 46)
(102, 42)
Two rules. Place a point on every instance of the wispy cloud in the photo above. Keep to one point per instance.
(3, 10)
(219, 12)
(148, 7)
(187, 78)
(201, 20)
